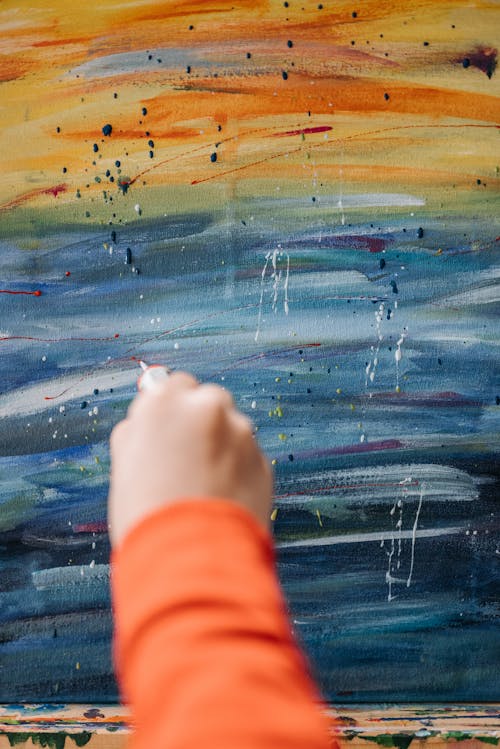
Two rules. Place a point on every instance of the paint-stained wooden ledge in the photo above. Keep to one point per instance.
(106, 727)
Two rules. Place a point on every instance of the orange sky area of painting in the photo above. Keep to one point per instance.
(388, 78)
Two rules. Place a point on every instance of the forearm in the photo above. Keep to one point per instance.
(203, 645)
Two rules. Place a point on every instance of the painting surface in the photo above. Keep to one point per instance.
(299, 201)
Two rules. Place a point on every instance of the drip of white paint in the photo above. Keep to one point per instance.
(388, 575)
(399, 526)
(275, 258)
(262, 277)
(371, 368)
(276, 276)
(414, 536)
(285, 287)
(398, 355)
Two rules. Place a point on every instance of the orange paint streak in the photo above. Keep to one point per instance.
(346, 94)
(60, 42)
(12, 68)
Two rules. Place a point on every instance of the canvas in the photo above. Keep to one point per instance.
(299, 201)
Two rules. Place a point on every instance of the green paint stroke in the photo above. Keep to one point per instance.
(461, 736)
(51, 740)
(489, 739)
(400, 740)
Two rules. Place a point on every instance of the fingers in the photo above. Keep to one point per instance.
(177, 383)
(208, 396)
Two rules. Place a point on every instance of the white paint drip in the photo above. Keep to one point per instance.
(371, 368)
(414, 536)
(275, 258)
(390, 579)
(398, 355)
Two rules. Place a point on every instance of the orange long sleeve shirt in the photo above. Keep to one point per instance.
(204, 652)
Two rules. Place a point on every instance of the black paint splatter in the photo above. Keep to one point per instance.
(484, 59)
(107, 129)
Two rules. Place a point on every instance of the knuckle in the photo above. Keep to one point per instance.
(217, 394)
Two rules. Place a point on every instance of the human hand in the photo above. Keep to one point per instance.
(182, 440)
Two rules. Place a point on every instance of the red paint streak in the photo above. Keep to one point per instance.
(54, 190)
(34, 194)
(243, 167)
(28, 293)
(59, 395)
(96, 527)
(305, 131)
(322, 144)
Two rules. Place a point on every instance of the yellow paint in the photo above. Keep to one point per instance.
(274, 514)
(318, 514)
(282, 436)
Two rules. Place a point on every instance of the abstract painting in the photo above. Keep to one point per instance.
(299, 201)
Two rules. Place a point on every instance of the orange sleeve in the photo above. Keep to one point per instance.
(203, 648)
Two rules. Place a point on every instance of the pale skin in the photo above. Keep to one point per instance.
(183, 440)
